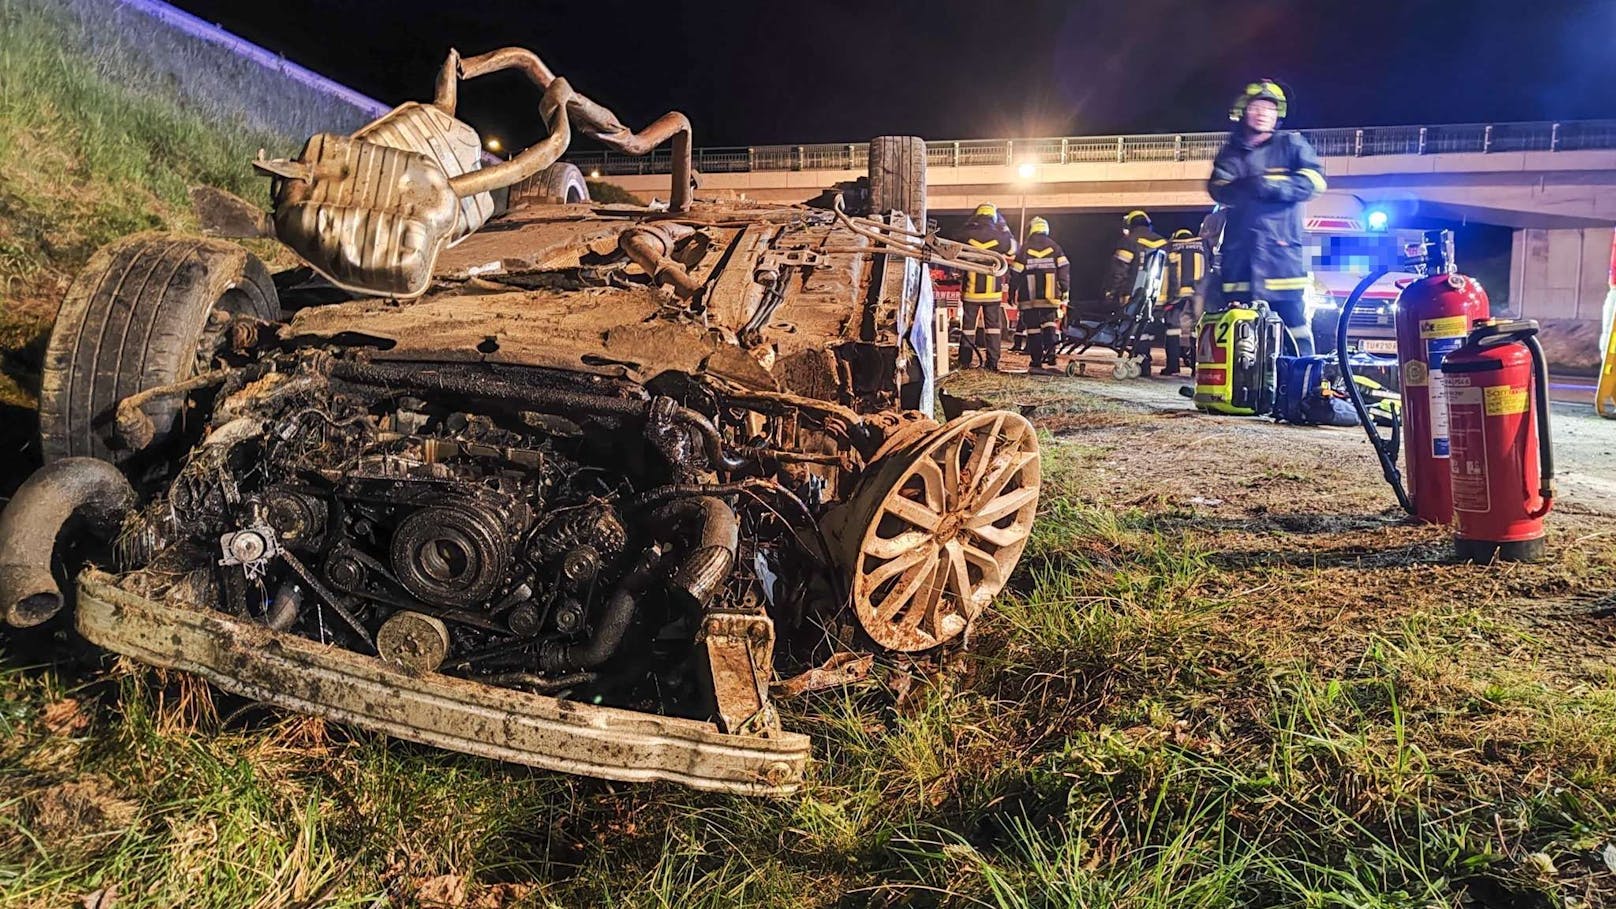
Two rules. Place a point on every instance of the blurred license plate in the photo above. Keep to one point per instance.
(1379, 346)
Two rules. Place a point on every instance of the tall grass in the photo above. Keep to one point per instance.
(91, 150)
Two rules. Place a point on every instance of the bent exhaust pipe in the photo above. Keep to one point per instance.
(590, 118)
(30, 524)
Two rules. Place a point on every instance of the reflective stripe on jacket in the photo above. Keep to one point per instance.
(1126, 257)
(1041, 271)
(983, 233)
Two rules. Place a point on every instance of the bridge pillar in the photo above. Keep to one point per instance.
(1560, 278)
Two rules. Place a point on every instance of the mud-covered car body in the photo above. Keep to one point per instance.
(567, 485)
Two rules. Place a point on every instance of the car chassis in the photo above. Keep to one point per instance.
(565, 485)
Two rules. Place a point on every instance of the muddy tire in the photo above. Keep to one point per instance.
(559, 184)
(898, 176)
(140, 315)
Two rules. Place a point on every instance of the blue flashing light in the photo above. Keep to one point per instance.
(1379, 219)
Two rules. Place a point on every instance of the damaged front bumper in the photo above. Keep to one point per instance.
(300, 675)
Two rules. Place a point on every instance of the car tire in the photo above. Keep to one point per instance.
(559, 184)
(898, 176)
(137, 317)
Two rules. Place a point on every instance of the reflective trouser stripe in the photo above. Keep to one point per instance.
(1236, 286)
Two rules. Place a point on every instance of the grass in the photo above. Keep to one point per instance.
(1175, 704)
(1128, 731)
(89, 160)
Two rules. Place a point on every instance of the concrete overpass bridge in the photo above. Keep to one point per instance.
(1554, 183)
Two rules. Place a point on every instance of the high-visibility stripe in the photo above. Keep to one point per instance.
(1314, 177)
(1041, 253)
(1018, 266)
(1229, 288)
(1285, 283)
(1125, 255)
(1279, 170)
(1152, 244)
(1061, 261)
(994, 331)
(983, 244)
(1049, 287)
(1281, 177)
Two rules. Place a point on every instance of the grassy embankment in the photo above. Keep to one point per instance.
(1162, 712)
(83, 160)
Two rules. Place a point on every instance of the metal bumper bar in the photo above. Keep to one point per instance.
(297, 674)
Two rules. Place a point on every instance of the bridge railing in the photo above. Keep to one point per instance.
(1465, 138)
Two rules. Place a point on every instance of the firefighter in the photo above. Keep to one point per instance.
(982, 296)
(1186, 269)
(1042, 280)
(1263, 176)
(1137, 239)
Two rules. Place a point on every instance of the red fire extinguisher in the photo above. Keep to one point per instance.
(1502, 459)
(1433, 315)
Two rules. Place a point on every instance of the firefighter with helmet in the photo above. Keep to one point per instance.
(1041, 283)
(1138, 239)
(1186, 268)
(1264, 176)
(982, 296)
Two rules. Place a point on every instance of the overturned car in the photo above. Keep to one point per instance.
(506, 472)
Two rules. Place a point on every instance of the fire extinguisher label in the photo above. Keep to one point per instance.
(1445, 327)
(1505, 399)
(1468, 467)
(1435, 350)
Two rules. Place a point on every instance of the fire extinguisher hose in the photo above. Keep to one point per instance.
(1385, 449)
(1545, 442)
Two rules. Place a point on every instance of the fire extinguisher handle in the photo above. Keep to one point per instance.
(1545, 439)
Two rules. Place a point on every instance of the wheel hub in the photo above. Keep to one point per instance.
(940, 526)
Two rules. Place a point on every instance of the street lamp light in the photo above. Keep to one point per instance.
(594, 174)
(1027, 172)
(494, 145)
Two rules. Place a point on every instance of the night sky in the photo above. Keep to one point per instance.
(757, 73)
(844, 70)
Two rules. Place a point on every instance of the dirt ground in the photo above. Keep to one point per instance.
(1309, 505)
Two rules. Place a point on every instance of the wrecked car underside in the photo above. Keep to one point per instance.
(567, 485)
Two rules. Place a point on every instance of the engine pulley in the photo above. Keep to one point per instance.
(417, 643)
(451, 554)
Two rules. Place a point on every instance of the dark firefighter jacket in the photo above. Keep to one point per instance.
(1212, 237)
(1264, 256)
(1186, 266)
(1040, 271)
(1129, 253)
(984, 233)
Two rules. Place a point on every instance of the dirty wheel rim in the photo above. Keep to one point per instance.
(947, 531)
